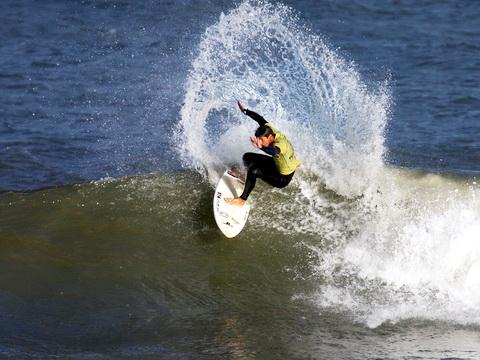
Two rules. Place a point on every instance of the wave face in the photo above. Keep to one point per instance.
(388, 244)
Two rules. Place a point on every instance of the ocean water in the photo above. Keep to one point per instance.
(118, 117)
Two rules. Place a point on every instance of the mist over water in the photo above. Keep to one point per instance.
(390, 244)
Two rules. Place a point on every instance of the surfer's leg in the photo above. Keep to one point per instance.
(255, 163)
(250, 159)
(263, 166)
(274, 178)
(250, 182)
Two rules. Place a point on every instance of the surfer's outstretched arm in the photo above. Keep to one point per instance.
(258, 118)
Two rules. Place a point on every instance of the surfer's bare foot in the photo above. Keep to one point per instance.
(234, 171)
(237, 173)
(235, 201)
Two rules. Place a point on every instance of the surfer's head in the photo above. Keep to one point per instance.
(266, 135)
(264, 130)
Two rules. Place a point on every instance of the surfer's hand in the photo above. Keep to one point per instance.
(241, 105)
(255, 142)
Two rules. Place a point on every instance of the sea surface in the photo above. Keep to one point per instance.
(118, 117)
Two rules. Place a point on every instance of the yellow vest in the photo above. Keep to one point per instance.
(285, 161)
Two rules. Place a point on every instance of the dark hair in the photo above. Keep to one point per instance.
(264, 131)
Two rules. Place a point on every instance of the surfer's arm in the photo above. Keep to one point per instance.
(258, 118)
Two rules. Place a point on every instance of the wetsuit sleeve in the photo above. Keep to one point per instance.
(271, 150)
(258, 118)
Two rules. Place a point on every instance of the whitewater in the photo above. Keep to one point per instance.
(389, 243)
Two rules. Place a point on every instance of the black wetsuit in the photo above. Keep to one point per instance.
(262, 166)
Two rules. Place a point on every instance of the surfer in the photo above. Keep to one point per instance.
(276, 168)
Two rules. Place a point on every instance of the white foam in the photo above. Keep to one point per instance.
(414, 254)
(390, 244)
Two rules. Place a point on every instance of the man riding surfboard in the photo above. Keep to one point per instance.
(276, 168)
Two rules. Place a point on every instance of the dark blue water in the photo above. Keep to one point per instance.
(92, 89)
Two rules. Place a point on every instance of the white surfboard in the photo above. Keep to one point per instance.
(230, 218)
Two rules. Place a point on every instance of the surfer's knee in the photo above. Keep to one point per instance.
(284, 181)
(247, 157)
